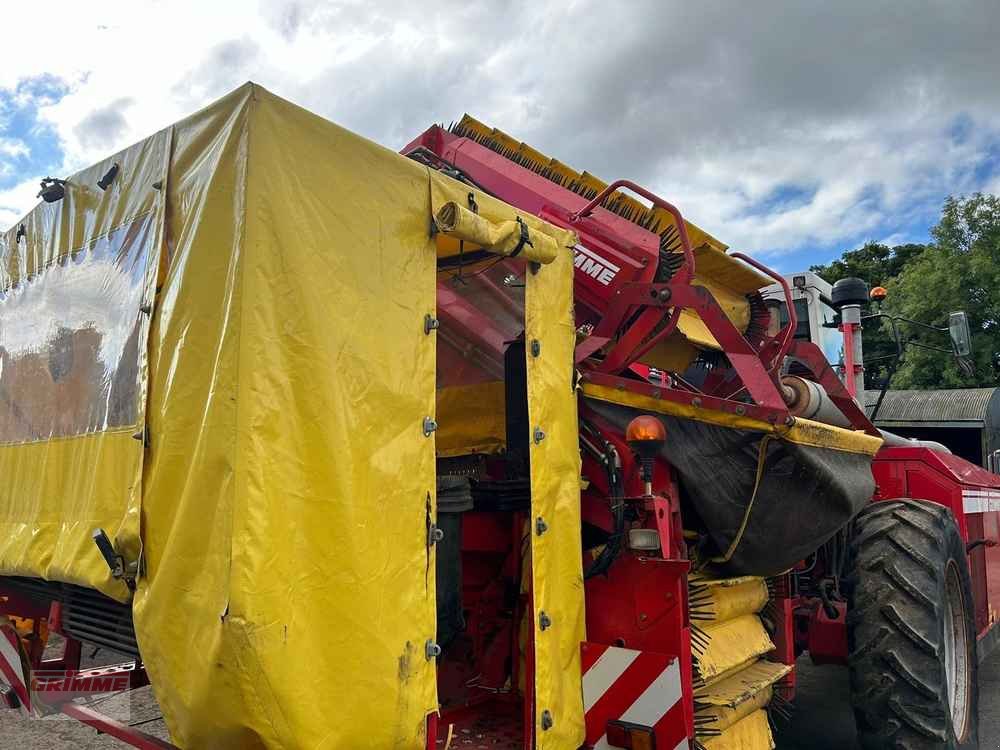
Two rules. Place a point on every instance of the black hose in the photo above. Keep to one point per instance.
(616, 495)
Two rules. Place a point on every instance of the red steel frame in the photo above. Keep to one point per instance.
(632, 296)
(70, 664)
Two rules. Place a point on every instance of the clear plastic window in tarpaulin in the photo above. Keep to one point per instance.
(70, 340)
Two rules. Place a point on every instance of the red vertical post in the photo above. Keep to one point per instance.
(432, 731)
(850, 366)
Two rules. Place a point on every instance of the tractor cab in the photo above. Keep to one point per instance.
(813, 301)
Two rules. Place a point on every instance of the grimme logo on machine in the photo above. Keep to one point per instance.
(594, 265)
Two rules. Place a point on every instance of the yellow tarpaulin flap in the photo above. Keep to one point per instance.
(557, 568)
(494, 212)
(75, 277)
(471, 419)
(507, 238)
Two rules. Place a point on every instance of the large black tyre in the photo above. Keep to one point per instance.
(910, 630)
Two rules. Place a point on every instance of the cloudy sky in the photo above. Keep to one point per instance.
(793, 130)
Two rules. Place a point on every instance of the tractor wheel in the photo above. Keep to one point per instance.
(910, 630)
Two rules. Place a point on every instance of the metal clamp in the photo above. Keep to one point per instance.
(119, 569)
(429, 426)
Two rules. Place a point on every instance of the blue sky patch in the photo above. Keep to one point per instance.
(19, 123)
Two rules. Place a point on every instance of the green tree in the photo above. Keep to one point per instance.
(877, 264)
(874, 262)
(959, 271)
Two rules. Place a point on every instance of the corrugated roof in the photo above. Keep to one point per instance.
(956, 405)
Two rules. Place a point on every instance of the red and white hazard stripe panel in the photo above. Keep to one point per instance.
(980, 500)
(11, 665)
(638, 687)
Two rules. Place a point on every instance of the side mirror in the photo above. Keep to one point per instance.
(961, 339)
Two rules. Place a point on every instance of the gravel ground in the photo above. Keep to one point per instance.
(821, 702)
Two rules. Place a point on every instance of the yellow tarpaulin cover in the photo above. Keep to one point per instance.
(267, 451)
(557, 568)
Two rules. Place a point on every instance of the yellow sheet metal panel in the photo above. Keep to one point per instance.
(74, 276)
(287, 602)
(557, 568)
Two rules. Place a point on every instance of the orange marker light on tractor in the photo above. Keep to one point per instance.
(878, 294)
(645, 436)
(631, 736)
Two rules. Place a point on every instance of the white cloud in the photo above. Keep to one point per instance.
(718, 106)
(13, 147)
(15, 201)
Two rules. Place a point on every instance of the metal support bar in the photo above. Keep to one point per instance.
(107, 725)
(759, 383)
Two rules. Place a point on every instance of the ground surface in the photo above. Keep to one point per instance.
(822, 719)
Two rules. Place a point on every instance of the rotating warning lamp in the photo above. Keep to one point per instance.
(646, 435)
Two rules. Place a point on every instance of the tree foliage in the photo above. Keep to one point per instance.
(877, 264)
(958, 270)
